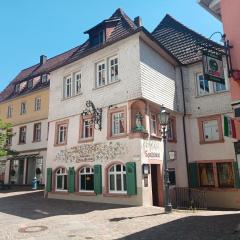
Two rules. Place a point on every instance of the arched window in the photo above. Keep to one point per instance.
(61, 179)
(117, 179)
(86, 179)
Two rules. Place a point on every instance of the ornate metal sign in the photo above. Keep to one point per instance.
(96, 114)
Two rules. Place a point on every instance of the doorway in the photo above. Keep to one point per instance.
(157, 185)
(16, 173)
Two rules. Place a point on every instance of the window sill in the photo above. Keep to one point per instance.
(59, 144)
(36, 141)
(21, 143)
(211, 94)
(211, 142)
(85, 140)
(108, 84)
(69, 98)
(117, 136)
(138, 135)
(86, 193)
(120, 195)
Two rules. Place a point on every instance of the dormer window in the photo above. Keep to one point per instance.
(98, 38)
(17, 88)
(44, 78)
(30, 84)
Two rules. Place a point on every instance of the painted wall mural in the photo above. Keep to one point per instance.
(100, 152)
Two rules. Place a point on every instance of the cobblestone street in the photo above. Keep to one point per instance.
(27, 215)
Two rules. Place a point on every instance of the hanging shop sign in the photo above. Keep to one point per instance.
(213, 67)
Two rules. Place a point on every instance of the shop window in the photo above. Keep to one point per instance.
(206, 175)
(61, 179)
(225, 174)
(210, 129)
(22, 135)
(117, 179)
(86, 179)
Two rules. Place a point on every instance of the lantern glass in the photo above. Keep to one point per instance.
(163, 117)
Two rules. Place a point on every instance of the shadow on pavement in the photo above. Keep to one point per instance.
(221, 227)
(33, 206)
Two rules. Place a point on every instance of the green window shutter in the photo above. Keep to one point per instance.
(49, 180)
(131, 178)
(193, 175)
(71, 178)
(98, 179)
(236, 174)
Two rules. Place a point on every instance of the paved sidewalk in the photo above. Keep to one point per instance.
(26, 215)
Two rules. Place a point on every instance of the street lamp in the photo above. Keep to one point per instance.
(163, 119)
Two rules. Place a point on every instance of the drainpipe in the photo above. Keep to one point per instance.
(184, 125)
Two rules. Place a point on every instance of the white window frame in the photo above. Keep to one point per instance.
(63, 172)
(68, 84)
(25, 134)
(116, 77)
(152, 122)
(89, 125)
(98, 84)
(115, 173)
(62, 128)
(84, 169)
(117, 120)
(10, 111)
(23, 109)
(199, 93)
(37, 129)
(76, 82)
(204, 132)
(37, 104)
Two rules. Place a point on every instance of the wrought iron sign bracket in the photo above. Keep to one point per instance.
(96, 114)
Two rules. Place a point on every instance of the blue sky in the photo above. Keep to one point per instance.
(30, 28)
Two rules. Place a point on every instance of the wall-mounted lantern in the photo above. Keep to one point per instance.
(96, 114)
(145, 169)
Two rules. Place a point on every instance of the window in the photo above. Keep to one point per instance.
(117, 179)
(172, 176)
(203, 85)
(225, 174)
(87, 128)
(37, 104)
(171, 130)
(118, 122)
(61, 179)
(210, 129)
(101, 74)
(22, 135)
(23, 108)
(68, 87)
(97, 38)
(9, 137)
(9, 111)
(30, 84)
(153, 124)
(37, 132)
(206, 174)
(61, 133)
(44, 78)
(17, 88)
(86, 179)
(78, 77)
(220, 87)
(113, 69)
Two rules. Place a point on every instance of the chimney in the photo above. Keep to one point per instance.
(138, 21)
(43, 59)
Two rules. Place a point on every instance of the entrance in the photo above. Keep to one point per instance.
(16, 172)
(157, 185)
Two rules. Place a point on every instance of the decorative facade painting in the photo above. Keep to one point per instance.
(99, 152)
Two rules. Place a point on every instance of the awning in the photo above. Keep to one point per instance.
(21, 157)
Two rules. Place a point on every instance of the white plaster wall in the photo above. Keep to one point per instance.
(127, 88)
(157, 78)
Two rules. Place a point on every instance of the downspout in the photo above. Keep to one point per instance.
(184, 125)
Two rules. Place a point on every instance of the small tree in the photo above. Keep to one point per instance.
(5, 134)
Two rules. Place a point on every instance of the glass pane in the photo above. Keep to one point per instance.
(112, 169)
(124, 182)
(65, 182)
(59, 182)
(119, 182)
(118, 168)
(225, 174)
(83, 182)
(206, 174)
(112, 183)
(89, 182)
